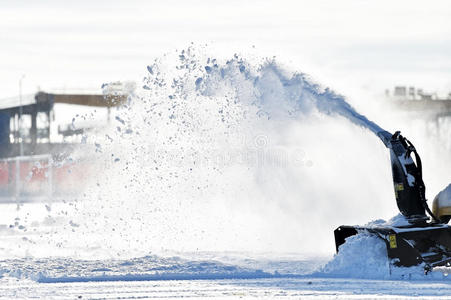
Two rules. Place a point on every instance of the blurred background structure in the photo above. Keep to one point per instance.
(34, 145)
(420, 104)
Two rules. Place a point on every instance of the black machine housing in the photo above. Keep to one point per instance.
(420, 241)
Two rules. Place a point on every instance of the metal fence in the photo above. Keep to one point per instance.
(37, 178)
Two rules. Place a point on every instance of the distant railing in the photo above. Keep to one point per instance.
(37, 178)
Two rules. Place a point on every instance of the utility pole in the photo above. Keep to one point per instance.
(20, 114)
(21, 143)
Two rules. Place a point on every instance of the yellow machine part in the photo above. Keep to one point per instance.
(443, 212)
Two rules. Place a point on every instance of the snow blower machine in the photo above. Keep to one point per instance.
(421, 240)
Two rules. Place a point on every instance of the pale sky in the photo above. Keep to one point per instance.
(348, 45)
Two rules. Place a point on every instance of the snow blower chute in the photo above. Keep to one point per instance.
(421, 240)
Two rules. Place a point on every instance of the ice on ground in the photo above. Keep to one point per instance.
(267, 288)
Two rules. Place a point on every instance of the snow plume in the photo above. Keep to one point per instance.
(226, 155)
(277, 92)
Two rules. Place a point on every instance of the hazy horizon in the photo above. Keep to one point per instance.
(351, 46)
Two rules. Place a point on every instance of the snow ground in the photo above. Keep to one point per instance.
(155, 277)
(287, 288)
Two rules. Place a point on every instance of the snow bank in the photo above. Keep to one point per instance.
(364, 256)
(361, 257)
(138, 269)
